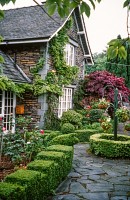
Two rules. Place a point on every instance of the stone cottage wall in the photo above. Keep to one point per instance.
(26, 56)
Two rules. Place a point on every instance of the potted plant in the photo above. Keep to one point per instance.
(123, 114)
(103, 103)
(127, 127)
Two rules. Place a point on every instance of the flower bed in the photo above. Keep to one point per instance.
(105, 145)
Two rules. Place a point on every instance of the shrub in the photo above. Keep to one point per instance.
(10, 191)
(58, 157)
(48, 167)
(68, 150)
(84, 135)
(95, 82)
(104, 145)
(66, 139)
(34, 182)
(71, 116)
(95, 115)
(67, 128)
(50, 136)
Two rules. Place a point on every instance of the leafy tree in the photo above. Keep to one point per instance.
(117, 65)
(99, 63)
(101, 84)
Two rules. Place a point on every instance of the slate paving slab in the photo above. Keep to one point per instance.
(95, 178)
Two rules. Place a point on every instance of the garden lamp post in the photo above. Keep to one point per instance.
(115, 106)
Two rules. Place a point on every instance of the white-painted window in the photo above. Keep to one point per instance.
(7, 109)
(69, 54)
(65, 101)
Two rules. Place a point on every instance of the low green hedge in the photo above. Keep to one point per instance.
(84, 135)
(10, 191)
(68, 150)
(49, 136)
(65, 139)
(35, 183)
(58, 157)
(104, 145)
(48, 167)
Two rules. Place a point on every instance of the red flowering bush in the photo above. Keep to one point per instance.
(95, 82)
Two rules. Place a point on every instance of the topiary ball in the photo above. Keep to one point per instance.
(67, 128)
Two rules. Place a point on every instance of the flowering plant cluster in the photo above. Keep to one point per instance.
(123, 114)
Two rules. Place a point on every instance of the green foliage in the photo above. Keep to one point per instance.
(58, 157)
(95, 115)
(84, 135)
(66, 139)
(22, 146)
(50, 136)
(34, 182)
(38, 66)
(10, 191)
(71, 116)
(67, 128)
(120, 67)
(68, 150)
(104, 145)
(116, 48)
(123, 114)
(48, 167)
(64, 7)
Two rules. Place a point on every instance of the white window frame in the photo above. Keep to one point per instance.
(65, 101)
(70, 54)
(8, 110)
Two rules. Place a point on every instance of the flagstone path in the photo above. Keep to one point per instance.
(95, 178)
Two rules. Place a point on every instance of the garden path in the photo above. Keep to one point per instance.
(95, 178)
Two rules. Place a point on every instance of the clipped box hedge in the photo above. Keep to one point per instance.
(65, 139)
(9, 191)
(50, 136)
(105, 145)
(84, 135)
(48, 167)
(58, 157)
(35, 183)
(68, 150)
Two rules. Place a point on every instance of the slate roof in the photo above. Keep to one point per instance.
(12, 71)
(28, 23)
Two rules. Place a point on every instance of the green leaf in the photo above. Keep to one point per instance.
(51, 9)
(93, 4)
(61, 11)
(85, 8)
(1, 59)
(73, 4)
(1, 14)
(122, 53)
(126, 3)
(1, 38)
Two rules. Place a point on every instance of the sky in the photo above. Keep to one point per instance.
(106, 22)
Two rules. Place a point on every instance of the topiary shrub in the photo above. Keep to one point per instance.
(84, 135)
(71, 116)
(58, 157)
(105, 145)
(48, 167)
(68, 150)
(10, 191)
(35, 183)
(66, 139)
(67, 128)
(50, 136)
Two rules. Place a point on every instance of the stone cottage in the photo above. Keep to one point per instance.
(27, 34)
